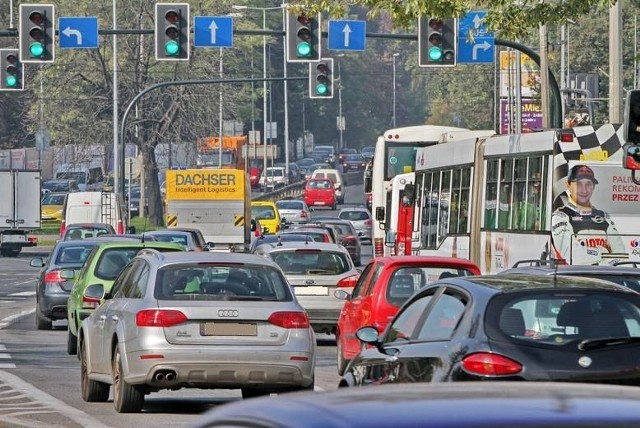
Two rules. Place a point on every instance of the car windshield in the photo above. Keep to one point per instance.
(354, 158)
(73, 255)
(74, 234)
(263, 212)
(275, 172)
(311, 262)
(406, 280)
(558, 318)
(56, 186)
(319, 184)
(177, 238)
(203, 281)
(289, 205)
(354, 215)
(50, 199)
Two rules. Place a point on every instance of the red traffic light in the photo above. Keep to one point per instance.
(172, 16)
(436, 24)
(36, 17)
(12, 59)
(303, 19)
(322, 68)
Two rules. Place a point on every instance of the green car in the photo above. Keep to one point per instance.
(102, 266)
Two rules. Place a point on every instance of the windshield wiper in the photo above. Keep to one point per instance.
(603, 342)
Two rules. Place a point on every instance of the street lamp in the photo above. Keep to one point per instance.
(340, 120)
(395, 55)
(264, 76)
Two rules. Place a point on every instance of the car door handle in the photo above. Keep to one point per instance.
(391, 359)
(102, 317)
(114, 318)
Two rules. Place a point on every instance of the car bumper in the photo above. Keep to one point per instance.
(54, 306)
(223, 368)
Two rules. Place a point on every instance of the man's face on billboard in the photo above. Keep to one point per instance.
(581, 190)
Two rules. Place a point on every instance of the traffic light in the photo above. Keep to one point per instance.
(321, 79)
(172, 31)
(37, 33)
(437, 40)
(11, 71)
(632, 117)
(303, 37)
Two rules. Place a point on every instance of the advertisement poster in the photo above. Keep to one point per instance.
(531, 115)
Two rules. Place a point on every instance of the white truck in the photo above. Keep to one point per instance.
(88, 176)
(215, 201)
(19, 210)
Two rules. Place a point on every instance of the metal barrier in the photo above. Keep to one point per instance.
(296, 190)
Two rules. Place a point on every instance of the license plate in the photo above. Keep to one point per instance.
(319, 203)
(13, 238)
(311, 291)
(228, 329)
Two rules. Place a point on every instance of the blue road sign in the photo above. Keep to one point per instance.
(213, 31)
(80, 32)
(347, 35)
(476, 44)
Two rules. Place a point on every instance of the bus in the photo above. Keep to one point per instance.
(499, 200)
(400, 211)
(395, 153)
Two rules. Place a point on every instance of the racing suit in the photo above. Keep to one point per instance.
(595, 234)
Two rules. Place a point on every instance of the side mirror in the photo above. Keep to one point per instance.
(367, 335)
(390, 238)
(253, 225)
(37, 262)
(341, 295)
(131, 229)
(94, 292)
(380, 213)
(67, 274)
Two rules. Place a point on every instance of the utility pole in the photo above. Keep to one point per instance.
(544, 78)
(615, 63)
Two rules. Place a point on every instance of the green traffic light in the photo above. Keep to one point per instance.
(36, 50)
(172, 48)
(321, 89)
(11, 81)
(435, 54)
(303, 50)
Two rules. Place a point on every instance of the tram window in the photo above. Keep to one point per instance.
(459, 201)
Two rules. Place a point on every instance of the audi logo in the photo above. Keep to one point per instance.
(635, 243)
(228, 313)
(309, 282)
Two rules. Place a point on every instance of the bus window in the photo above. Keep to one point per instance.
(445, 197)
(491, 195)
(401, 159)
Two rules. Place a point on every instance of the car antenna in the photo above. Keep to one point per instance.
(279, 240)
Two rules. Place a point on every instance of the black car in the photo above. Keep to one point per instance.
(506, 327)
(351, 163)
(459, 405)
(52, 287)
(347, 236)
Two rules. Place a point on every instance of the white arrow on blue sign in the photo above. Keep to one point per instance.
(475, 43)
(213, 31)
(347, 35)
(78, 32)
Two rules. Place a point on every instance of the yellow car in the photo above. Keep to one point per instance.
(267, 214)
(52, 206)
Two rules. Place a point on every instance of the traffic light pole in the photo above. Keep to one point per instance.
(119, 168)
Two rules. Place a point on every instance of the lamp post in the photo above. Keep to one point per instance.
(395, 55)
(340, 120)
(264, 83)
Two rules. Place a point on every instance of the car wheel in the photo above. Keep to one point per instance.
(126, 398)
(92, 391)
(42, 322)
(72, 343)
(253, 393)
(341, 361)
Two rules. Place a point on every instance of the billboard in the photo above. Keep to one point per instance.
(531, 115)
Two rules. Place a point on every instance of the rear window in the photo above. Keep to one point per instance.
(555, 319)
(405, 281)
(319, 184)
(263, 212)
(289, 205)
(73, 255)
(174, 239)
(204, 281)
(311, 262)
(74, 234)
(354, 215)
(278, 172)
(53, 200)
(113, 260)
(629, 281)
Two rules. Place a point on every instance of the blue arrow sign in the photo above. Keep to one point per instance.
(213, 31)
(347, 35)
(476, 44)
(80, 32)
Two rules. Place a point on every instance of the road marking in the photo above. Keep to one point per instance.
(81, 418)
(6, 356)
(23, 293)
(8, 320)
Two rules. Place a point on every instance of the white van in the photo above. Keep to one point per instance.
(335, 176)
(95, 207)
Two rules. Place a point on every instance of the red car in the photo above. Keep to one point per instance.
(384, 285)
(320, 192)
(254, 177)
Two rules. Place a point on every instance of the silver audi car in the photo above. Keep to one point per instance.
(195, 320)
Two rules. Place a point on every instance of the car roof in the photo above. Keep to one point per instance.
(127, 244)
(505, 283)
(209, 257)
(301, 245)
(575, 270)
(420, 260)
(81, 225)
(495, 403)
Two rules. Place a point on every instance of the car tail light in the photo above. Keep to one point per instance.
(368, 222)
(63, 227)
(120, 228)
(325, 238)
(566, 137)
(487, 364)
(303, 214)
(90, 302)
(349, 239)
(53, 276)
(32, 239)
(289, 319)
(349, 281)
(159, 318)
(310, 250)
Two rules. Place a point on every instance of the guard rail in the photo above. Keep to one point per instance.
(295, 190)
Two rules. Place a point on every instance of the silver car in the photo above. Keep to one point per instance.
(195, 320)
(293, 211)
(313, 269)
(361, 220)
